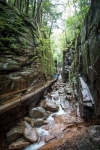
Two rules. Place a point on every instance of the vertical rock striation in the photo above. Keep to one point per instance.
(87, 56)
(25, 53)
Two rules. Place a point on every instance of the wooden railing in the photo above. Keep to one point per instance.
(32, 88)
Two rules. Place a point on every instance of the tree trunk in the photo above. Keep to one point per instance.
(51, 28)
(20, 5)
(15, 3)
(9, 1)
(27, 7)
(34, 8)
(38, 13)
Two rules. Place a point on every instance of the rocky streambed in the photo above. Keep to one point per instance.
(54, 124)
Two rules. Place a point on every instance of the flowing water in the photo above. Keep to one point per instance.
(35, 146)
(57, 121)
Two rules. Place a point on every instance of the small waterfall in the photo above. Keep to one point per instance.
(35, 146)
(50, 119)
(60, 112)
(54, 93)
(41, 131)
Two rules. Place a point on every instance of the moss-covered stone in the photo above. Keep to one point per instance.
(25, 54)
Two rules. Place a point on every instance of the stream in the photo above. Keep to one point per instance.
(57, 122)
(54, 120)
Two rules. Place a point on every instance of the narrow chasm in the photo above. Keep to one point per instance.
(49, 75)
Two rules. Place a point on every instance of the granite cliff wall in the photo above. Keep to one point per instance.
(86, 65)
(25, 54)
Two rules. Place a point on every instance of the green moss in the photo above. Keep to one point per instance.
(20, 35)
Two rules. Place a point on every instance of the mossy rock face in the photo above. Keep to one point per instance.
(12, 63)
(25, 55)
(88, 53)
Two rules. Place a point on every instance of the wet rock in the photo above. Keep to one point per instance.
(86, 100)
(27, 119)
(61, 91)
(49, 105)
(30, 133)
(55, 98)
(32, 122)
(13, 134)
(96, 139)
(69, 97)
(39, 122)
(45, 122)
(54, 90)
(68, 90)
(38, 112)
(49, 95)
(63, 84)
(50, 137)
(94, 131)
(21, 139)
(18, 145)
(49, 113)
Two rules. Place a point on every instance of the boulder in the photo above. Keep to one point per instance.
(94, 131)
(61, 91)
(39, 122)
(27, 119)
(32, 122)
(18, 145)
(22, 139)
(13, 134)
(69, 97)
(49, 105)
(68, 90)
(30, 133)
(49, 95)
(38, 112)
(55, 98)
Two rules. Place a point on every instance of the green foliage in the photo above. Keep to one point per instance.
(74, 17)
(74, 22)
(46, 58)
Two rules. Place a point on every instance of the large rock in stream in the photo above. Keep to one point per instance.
(13, 134)
(38, 112)
(94, 133)
(49, 105)
(30, 133)
(39, 122)
(18, 145)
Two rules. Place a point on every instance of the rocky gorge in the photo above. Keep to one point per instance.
(87, 55)
(38, 112)
(54, 123)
